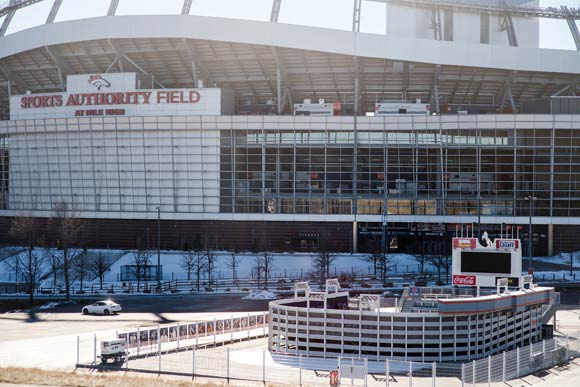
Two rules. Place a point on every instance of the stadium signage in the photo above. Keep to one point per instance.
(127, 98)
(99, 99)
(506, 244)
(464, 243)
(117, 94)
(464, 280)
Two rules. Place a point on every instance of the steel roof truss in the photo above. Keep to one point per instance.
(53, 11)
(186, 7)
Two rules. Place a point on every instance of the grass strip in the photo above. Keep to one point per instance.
(36, 376)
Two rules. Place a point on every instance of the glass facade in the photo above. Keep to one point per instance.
(486, 171)
(412, 166)
(4, 171)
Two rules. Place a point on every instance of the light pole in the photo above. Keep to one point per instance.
(479, 218)
(531, 199)
(384, 228)
(158, 249)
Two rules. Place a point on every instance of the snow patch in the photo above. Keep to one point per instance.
(258, 294)
(50, 305)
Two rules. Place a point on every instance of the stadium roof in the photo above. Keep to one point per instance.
(248, 56)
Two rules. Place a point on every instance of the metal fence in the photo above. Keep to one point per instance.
(210, 356)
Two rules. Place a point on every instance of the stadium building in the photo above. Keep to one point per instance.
(254, 134)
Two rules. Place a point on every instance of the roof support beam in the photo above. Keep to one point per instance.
(53, 11)
(572, 25)
(356, 15)
(275, 13)
(113, 8)
(121, 55)
(574, 31)
(507, 24)
(509, 97)
(436, 23)
(6, 22)
(506, 84)
(62, 67)
(13, 77)
(281, 68)
(356, 85)
(58, 61)
(569, 87)
(186, 7)
(115, 59)
(505, 93)
(197, 67)
(279, 91)
(435, 89)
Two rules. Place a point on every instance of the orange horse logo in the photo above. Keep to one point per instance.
(98, 82)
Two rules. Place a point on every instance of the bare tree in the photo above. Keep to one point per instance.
(380, 259)
(375, 252)
(199, 266)
(323, 261)
(67, 227)
(233, 263)
(54, 265)
(573, 257)
(99, 263)
(419, 250)
(82, 267)
(379, 255)
(441, 262)
(25, 231)
(141, 261)
(193, 260)
(188, 262)
(258, 268)
(210, 262)
(267, 266)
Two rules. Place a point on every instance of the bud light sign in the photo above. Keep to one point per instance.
(506, 244)
(464, 280)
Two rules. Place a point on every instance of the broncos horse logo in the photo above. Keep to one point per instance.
(98, 82)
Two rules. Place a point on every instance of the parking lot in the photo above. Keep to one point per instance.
(48, 339)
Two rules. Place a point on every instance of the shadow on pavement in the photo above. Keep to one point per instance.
(32, 318)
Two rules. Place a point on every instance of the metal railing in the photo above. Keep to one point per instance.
(253, 363)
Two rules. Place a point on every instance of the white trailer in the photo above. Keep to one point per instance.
(114, 349)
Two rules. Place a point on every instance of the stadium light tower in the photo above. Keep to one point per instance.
(531, 199)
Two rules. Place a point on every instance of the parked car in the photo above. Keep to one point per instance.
(102, 307)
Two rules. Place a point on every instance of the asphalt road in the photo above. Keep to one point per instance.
(153, 303)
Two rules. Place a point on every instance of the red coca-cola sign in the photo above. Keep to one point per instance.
(465, 280)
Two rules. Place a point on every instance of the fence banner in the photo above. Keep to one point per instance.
(192, 331)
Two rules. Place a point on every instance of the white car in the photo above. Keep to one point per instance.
(102, 307)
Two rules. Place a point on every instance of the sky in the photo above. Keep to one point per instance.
(338, 14)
